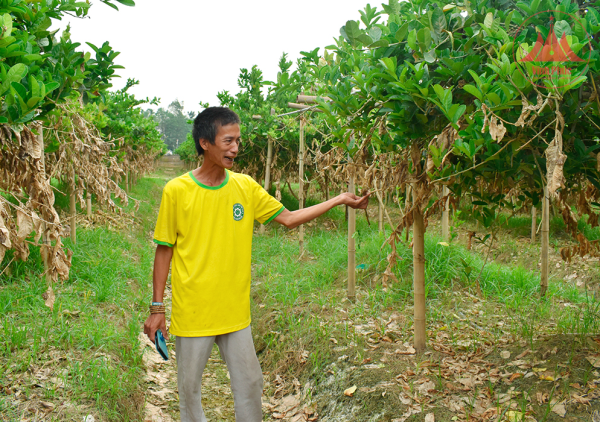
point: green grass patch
(82, 357)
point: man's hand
(354, 201)
(153, 324)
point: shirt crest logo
(238, 212)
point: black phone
(161, 345)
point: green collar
(211, 187)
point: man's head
(207, 124)
(217, 132)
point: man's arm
(292, 219)
(162, 261)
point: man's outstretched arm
(292, 219)
(162, 261)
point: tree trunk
(446, 216)
(419, 278)
(301, 182)
(545, 242)
(351, 246)
(533, 223)
(127, 182)
(326, 178)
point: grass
(81, 357)
(300, 306)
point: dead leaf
(594, 360)
(49, 298)
(559, 408)
(350, 391)
(505, 354)
(430, 417)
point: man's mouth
(230, 159)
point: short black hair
(207, 123)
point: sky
(191, 50)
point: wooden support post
(533, 223)
(45, 240)
(419, 278)
(73, 212)
(545, 241)
(351, 246)
(301, 182)
(446, 216)
(127, 182)
(89, 204)
(380, 216)
(268, 172)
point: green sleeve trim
(274, 216)
(163, 243)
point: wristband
(157, 303)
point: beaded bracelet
(157, 309)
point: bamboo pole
(445, 216)
(419, 278)
(73, 209)
(545, 242)
(309, 99)
(351, 246)
(380, 216)
(533, 223)
(126, 182)
(89, 204)
(301, 182)
(268, 172)
(45, 240)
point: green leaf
(412, 39)
(352, 30)
(19, 89)
(495, 98)
(365, 39)
(438, 21)
(375, 33)
(489, 20)
(381, 43)
(51, 87)
(456, 112)
(424, 38)
(130, 3)
(33, 101)
(562, 27)
(402, 32)
(473, 91)
(7, 24)
(430, 56)
(16, 73)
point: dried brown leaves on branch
(31, 207)
(84, 161)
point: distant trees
(173, 123)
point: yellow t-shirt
(210, 230)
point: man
(205, 226)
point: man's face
(225, 149)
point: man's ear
(204, 143)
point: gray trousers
(237, 350)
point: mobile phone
(161, 345)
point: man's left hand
(353, 201)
